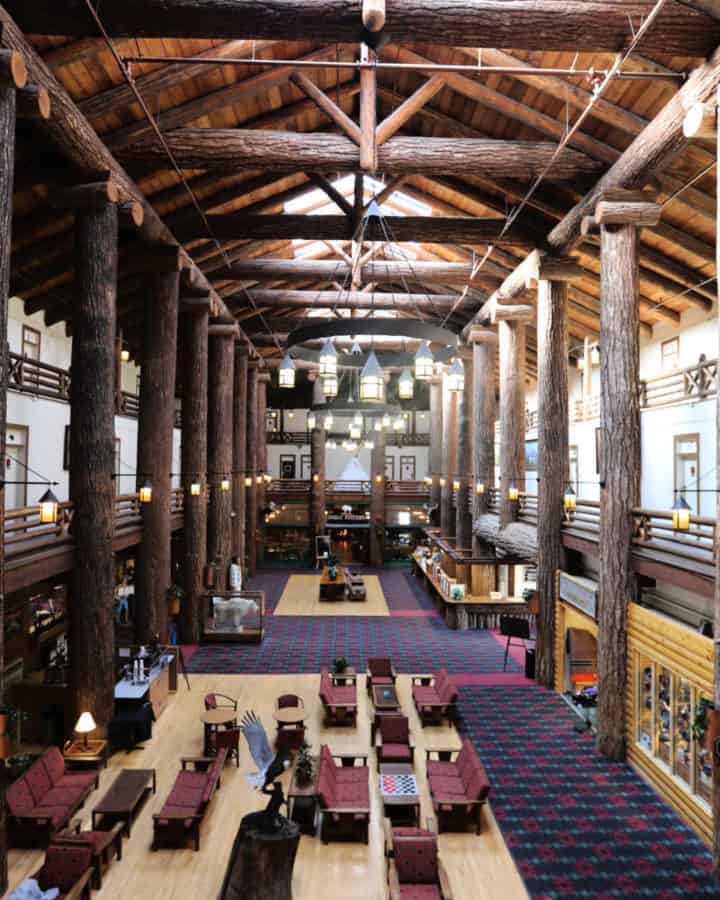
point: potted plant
(304, 766)
(339, 665)
(332, 567)
(175, 595)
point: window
(687, 468)
(670, 354)
(272, 420)
(30, 343)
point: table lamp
(84, 725)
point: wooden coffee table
(385, 697)
(124, 798)
(332, 589)
(401, 807)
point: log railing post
(377, 499)
(447, 513)
(194, 468)
(511, 336)
(484, 410)
(553, 461)
(464, 462)
(240, 378)
(221, 353)
(251, 497)
(436, 439)
(619, 218)
(156, 421)
(92, 454)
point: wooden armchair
(414, 867)
(219, 701)
(380, 672)
(67, 867)
(289, 735)
(393, 741)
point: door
(389, 468)
(687, 467)
(16, 455)
(407, 468)
(305, 467)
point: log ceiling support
(240, 377)
(317, 485)
(8, 106)
(263, 381)
(194, 465)
(251, 497)
(553, 457)
(368, 113)
(484, 412)
(512, 345)
(221, 361)
(449, 437)
(156, 421)
(281, 299)
(327, 105)
(436, 442)
(377, 499)
(620, 456)
(92, 454)
(399, 117)
(464, 401)
(680, 30)
(716, 616)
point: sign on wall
(580, 593)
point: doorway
(687, 467)
(407, 468)
(16, 458)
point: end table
(94, 754)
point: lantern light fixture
(268, 478)
(424, 362)
(328, 421)
(399, 423)
(569, 499)
(225, 485)
(456, 484)
(378, 425)
(48, 508)
(195, 489)
(443, 481)
(479, 488)
(259, 479)
(330, 386)
(378, 479)
(328, 360)
(311, 421)
(316, 477)
(372, 380)
(355, 431)
(286, 372)
(358, 419)
(456, 376)
(124, 355)
(406, 385)
(386, 420)
(145, 493)
(513, 493)
(681, 514)
(248, 481)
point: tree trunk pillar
(194, 470)
(240, 378)
(553, 462)
(447, 512)
(377, 499)
(263, 381)
(484, 411)
(620, 457)
(317, 485)
(511, 336)
(716, 624)
(463, 463)
(221, 353)
(436, 443)
(155, 452)
(251, 497)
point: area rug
(577, 825)
(301, 598)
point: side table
(95, 753)
(303, 803)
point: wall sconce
(378, 479)
(569, 499)
(267, 477)
(513, 493)
(145, 492)
(124, 355)
(311, 421)
(225, 485)
(428, 480)
(195, 489)
(681, 514)
(259, 479)
(48, 508)
(316, 477)
(443, 481)
(248, 481)
(479, 488)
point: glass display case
(234, 616)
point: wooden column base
(261, 865)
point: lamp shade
(195, 489)
(145, 492)
(513, 492)
(328, 360)
(225, 485)
(372, 380)
(328, 421)
(311, 421)
(456, 376)
(569, 499)
(85, 724)
(406, 385)
(330, 386)
(681, 514)
(479, 488)
(286, 372)
(424, 362)
(48, 508)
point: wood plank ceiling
(677, 257)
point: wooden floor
(301, 597)
(480, 867)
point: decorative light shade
(355, 431)
(456, 485)
(372, 380)
(225, 485)
(386, 420)
(428, 479)
(378, 479)
(259, 478)
(378, 425)
(195, 489)
(456, 376)
(330, 445)
(399, 423)
(569, 499)
(513, 492)
(48, 508)
(681, 514)
(328, 361)
(424, 362)
(286, 372)
(248, 481)
(369, 445)
(328, 421)
(146, 493)
(443, 481)
(311, 421)
(406, 385)
(124, 355)
(84, 725)
(330, 386)
(479, 488)
(358, 419)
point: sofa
(339, 701)
(459, 788)
(343, 795)
(435, 697)
(44, 799)
(68, 868)
(415, 871)
(188, 801)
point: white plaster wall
(337, 459)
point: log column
(251, 497)
(262, 462)
(436, 445)
(716, 620)
(463, 463)
(220, 448)
(553, 461)
(240, 377)
(619, 221)
(155, 446)
(484, 411)
(377, 499)
(194, 468)
(317, 485)
(447, 512)
(511, 336)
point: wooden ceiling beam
(541, 25)
(277, 299)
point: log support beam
(251, 496)
(512, 341)
(449, 437)
(262, 459)
(317, 486)
(620, 462)
(240, 377)
(221, 354)
(484, 412)
(464, 462)
(368, 114)
(377, 499)
(436, 445)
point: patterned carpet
(577, 825)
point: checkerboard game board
(398, 785)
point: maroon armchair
(339, 701)
(459, 788)
(415, 871)
(380, 671)
(229, 740)
(220, 701)
(67, 867)
(290, 735)
(435, 697)
(344, 795)
(393, 741)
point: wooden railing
(394, 438)
(294, 489)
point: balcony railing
(394, 438)
(292, 489)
